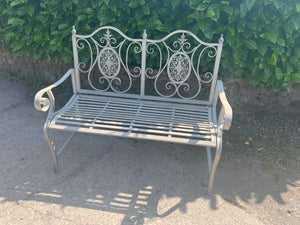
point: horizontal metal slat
(139, 130)
(148, 102)
(144, 108)
(200, 126)
(175, 122)
(210, 143)
(145, 126)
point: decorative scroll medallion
(109, 63)
(179, 68)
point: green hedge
(262, 37)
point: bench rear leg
(215, 162)
(52, 147)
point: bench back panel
(178, 68)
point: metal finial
(182, 38)
(73, 30)
(221, 38)
(144, 34)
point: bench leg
(51, 146)
(215, 162)
(209, 162)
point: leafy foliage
(262, 38)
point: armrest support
(225, 115)
(43, 104)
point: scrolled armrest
(43, 104)
(225, 115)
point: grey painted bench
(163, 90)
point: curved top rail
(151, 40)
(187, 32)
(108, 27)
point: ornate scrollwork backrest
(105, 60)
(185, 66)
(179, 65)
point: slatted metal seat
(163, 90)
(152, 120)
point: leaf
(194, 2)
(278, 4)
(21, 11)
(262, 47)
(294, 60)
(250, 44)
(62, 26)
(281, 41)
(227, 9)
(214, 10)
(17, 45)
(175, 3)
(82, 17)
(28, 28)
(296, 77)
(250, 3)
(114, 8)
(16, 2)
(30, 10)
(43, 5)
(203, 25)
(237, 53)
(270, 36)
(210, 13)
(289, 69)
(268, 71)
(209, 33)
(141, 2)
(278, 73)
(202, 7)
(273, 59)
(298, 7)
(232, 31)
(156, 22)
(243, 9)
(133, 4)
(164, 28)
(287, 85)
(16, 21)
(146, 10)
(293, 24)
(89, 10)
(262, 65)
(38, 37)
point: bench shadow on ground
(141, 179)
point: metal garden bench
(163, 90)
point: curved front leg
(51, 146)
(216, 160)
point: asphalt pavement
(101, 180)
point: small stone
(247, 143)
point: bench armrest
(43, 104)
(225, 115)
